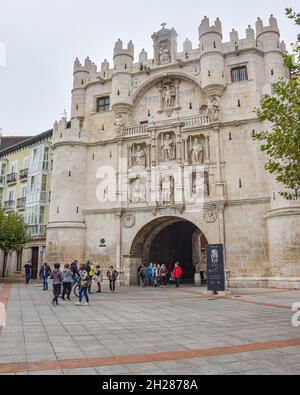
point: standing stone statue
(197, 152)
(138, 192)
(165, 57)
(168, 148)
(166, 190)
(139, 157)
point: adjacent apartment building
(25, 187)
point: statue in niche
(138, 191)
(168, 96)
(168, 149)
(139, 157)
(167, 190)
(164, 55)
(214, 109)
(197, 153)
(201, 186)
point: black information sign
(215, 268)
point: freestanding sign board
(215, 268)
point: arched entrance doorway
(167, 240)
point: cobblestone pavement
(148, 331)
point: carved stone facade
(170, 165)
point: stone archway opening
(167, 240)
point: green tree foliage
(13, 232)
(282, 142)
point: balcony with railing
(187, 123)
(24, 174)
(11, 178)
(8, 205)
(21, 203)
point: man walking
(57, 278)
(45, 273)
(177, 274)
(28, 268)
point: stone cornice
(284, 212)
(178, 207)
(244, 202)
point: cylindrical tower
(212, 61)
(283, 224)
(66, 229)
(121, 98)
(81, 78)
(268, 38)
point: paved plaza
(151, 332)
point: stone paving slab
(136, 322)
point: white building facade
(158, 161)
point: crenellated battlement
(119, 50)
(88, 66)
(69, 132)
(205, 27)
(271, 28)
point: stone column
(118, 218)
(207, 150)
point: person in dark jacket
(28, 269)
(142, 275)
(57, 278)
(45, 273)
(112, 276)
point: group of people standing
(72, 274)
(156, 275)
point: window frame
(103, 104)
(239, 71)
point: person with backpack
(112, 276)
(177, 274)
(98, 277)
(57, 278)
(45, 273)
(84, 283)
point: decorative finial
(164, 25)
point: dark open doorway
(35, 262)
(167, 240)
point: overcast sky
(43, 37)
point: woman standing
(84, 283)
(98, 277)
(67, 282)
(164, 276)
(112, 276)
